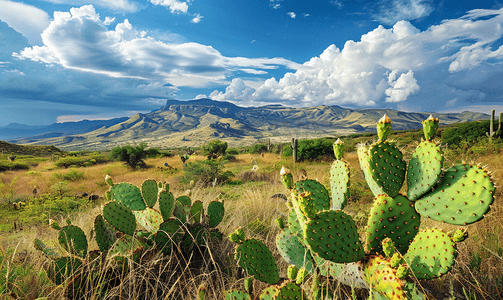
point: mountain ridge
(191, 123)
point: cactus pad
(387, 167)
(425, 168)
(166, 204)
(334, 236)
(105, 234)
(339, 184)
(196, 235)
(149, 218)
(289, 290)
(363, 154)
(237, 295)
(181, 211)
(393, 218)
(120, 217)
(317, 192)
(383, 279)
(268, 293)
(431, 254)
(462, 197)
(74, 240)
(196, 211)
(185, 200)
(63, 268)
(216, 213)
(149, 192)
(293, 251)
(169, 233)
(254, 257)
(48, 252)
(129, 195)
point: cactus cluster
(320, 238)
(128, 228)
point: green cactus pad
(393, 218)
(166, 204)
(128, 246)
(333, 236)
(339, 184)
(216, 213)
(293, 222)
(431, 254)
(319, 199)
(149, 191)
(268, 293)
(63, 269)
(74, 240)
(196, 235)
(185, 200)
(149, 218)
(257, 260)
(237, 295)
(289, 290)
(383, 279)
(425, 168)
(462, 196)
(350, 274)
(48, 252)
(196, 211)
(363, 154)
(170, 232)
(387, 167)
(181, 211)
(129, 195)
(293, 251)
(120, 217)
(105, 234)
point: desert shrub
(315, 149)
(65, 162)
(232, 152)
(73, 175)
(258, 148)
(205, 172)
(9, 165)
(214, 149)
(287, 150)
(133, 156)
(229, 157)
(468, 132)
(60, 188)
(98, 158)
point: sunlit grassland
(478, 271)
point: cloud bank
(80, 40)
(25, 19)
(456, 59)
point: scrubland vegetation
(246, 179)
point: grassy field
(478, 272)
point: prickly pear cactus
(105, 234)
(425, 168)
(74, 240)
(387, 166)
(120, 217)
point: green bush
(73, 175)
(465, 132)
(12, 165)
(206, 172)
(232, 152)
(229, 157)
(68, 161)
(214, 149)
(315, 149)
(133, 156)
(287, 150)
(258, 148)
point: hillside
(8, 148)
(192, 123)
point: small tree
(215, 149)
(133, 156)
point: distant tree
(132, 155)
(214, 149)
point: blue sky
(96, 59)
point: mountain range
(192, 123)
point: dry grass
(250, 206)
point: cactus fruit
(425, 168)
(74, 240)
(430, 127)
(383, 128)
(120, 217)
(462, 197)
(395, 218)
(333, 236)
(286, 178)
(105, 234)
(431, 254)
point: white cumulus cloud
(174, 6)
(392, 11)
(402, 87)
(80, 40)
(197, 19)
(292, 14)
(25, 19)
